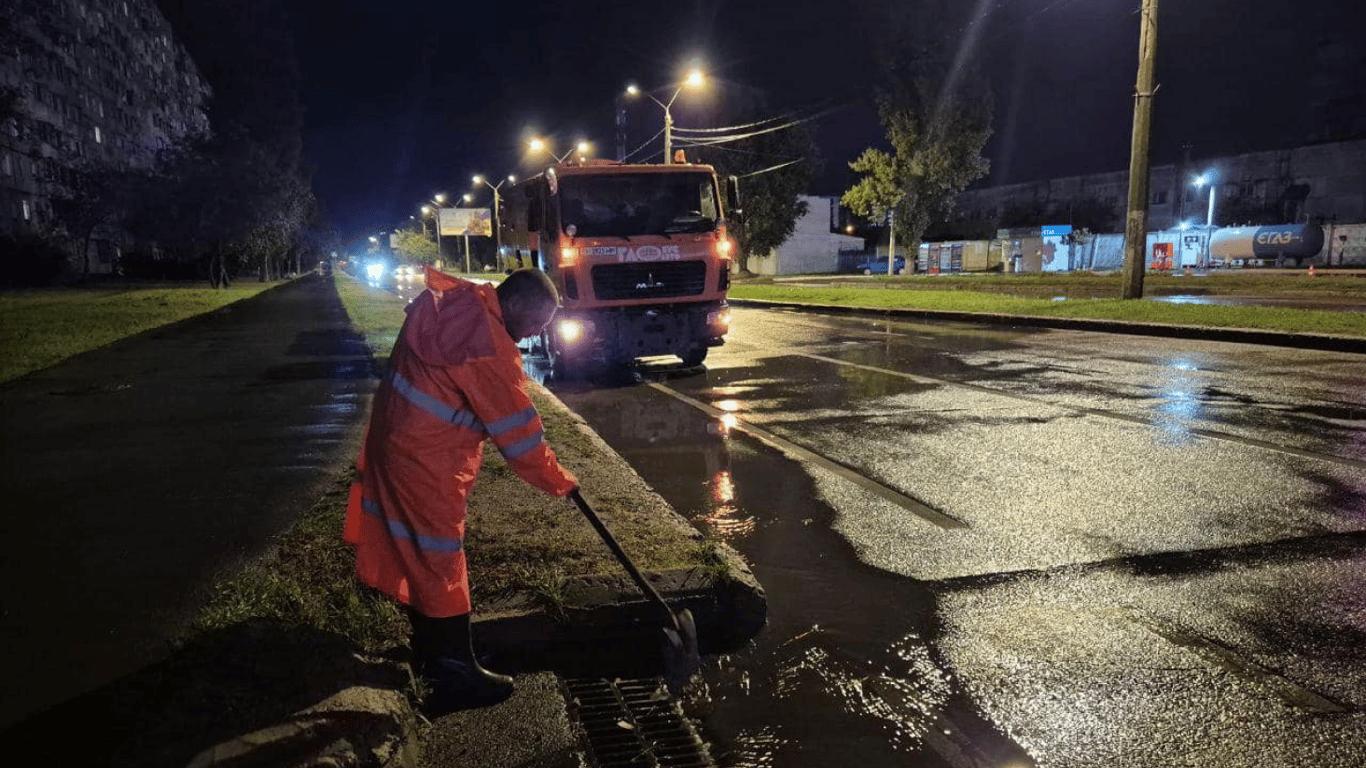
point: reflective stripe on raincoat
(455, 378)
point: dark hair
(529, 286)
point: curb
(1318, 341)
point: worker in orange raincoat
(455, 378)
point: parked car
(878, 266)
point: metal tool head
(679, 650)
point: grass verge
(40, 328)
(913, 295)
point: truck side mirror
(733, 197)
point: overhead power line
(771, 168)
(633, 152)
(730, 127)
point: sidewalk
(151, 464)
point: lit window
(8, 166)
(28, 212)
(98, 138)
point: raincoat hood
(453, 321)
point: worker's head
(529, 300)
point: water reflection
(808, 700)
(843, 672)
(726, 521)
(1183, 398)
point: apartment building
(86, 84)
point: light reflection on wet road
(1114, 488)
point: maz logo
(649, 283)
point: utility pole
(1136, 218)
(891, 242)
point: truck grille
(649, 281)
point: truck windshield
(625, 205)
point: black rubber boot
(443, 656)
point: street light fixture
(435, 212)
(694, 79)
(497, 221)
(582, 148)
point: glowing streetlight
(694, 80)
(497, 221)
(538, 145)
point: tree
(414, 246)
(774, 162)
(936, 108)
(245, 191)
(94, 204)
(877, 195)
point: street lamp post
(435, 210)
(1200, 181)
(694, 79)
(497, 221)
(466, 198)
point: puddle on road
(844, 672)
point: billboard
(1055, 253)
(467, 221)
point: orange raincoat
(455, 378)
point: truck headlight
(571, 331)
(719, 317)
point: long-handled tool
(679, 647)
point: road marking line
(1132, 419)
(910, 503)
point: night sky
(407, 99)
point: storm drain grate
(632, 723)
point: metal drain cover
(635, 722)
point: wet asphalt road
(994, 546)
(134, 473)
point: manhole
(635, 722)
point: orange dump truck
(640, 254)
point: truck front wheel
(694, 357)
